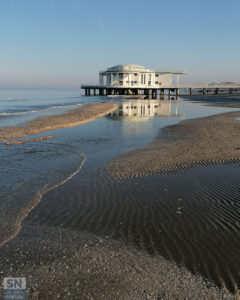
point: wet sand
(188, 144)
(72, 118)
(63, 264)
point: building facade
(135, 76)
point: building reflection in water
(137, 116)
(143, 109)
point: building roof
(127, 68)
(136, 68)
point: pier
(155, 93)
(139, 81)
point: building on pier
(135, 76)
(135, 80)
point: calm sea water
(27, 169)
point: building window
(135, 74)
(120, 82)
(156, 82)
(149, 82)
(156, 75)
(120, 75)
(135, 81)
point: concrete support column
(177, 93)
(190, 91)
(169, 94)
(162, 94)
(230, 91)
(204, 91)
(217, 91)
(85, 92)
(148, 92)
(94, 92)
(154, 94)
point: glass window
(120, 75)
(156, 82)
(149, 82)
(156, 75)
(120, 82)
(135, 81)
(135, 74)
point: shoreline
(72, 118)
(190, 143)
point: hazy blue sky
(62, 43)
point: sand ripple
(192, 218)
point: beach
(188, 144)
(124, 220)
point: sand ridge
(214, 139)
(75, 117)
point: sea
(191, 218)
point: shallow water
(184, 217)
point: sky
(64, 43)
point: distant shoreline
(75, 117)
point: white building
(135, 76)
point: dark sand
(61, 264)
(72, 118)
(191, 143)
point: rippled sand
(72, 118)
(191, 143)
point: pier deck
(149, 92)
